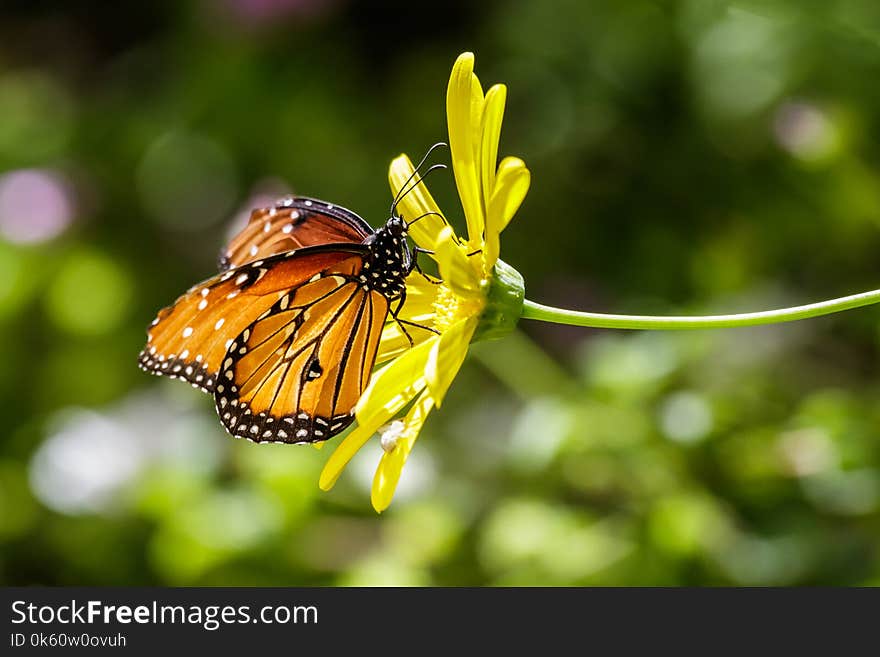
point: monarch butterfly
(286, 336)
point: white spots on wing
(302, 433)
(282, 433)
(318, 432)
(187, 331)
(308, 203)
(254, 250)
(184, 354)
(257, 263)
(205, 291)
(176, 368)
(314, 278)
(199, 358)
(232, 295)
(227, 363)
(229, 374)
(285, 301)
(267, 226)
(266, 434)
(254, 428)
(219, 324)
(203, 304)
(273, 212)
(189, 370)
(303, 416)
(153, 323)
(228, 343)
(241, 279)
(294, 215)
(287, 228)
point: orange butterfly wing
(296, 373)
(293, 223)
(189, 339)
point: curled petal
(388, 473)
(511, 186)
(456, 269)
(464, 108)
(493, 114)
(417, 203)
(446, 357)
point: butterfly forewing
(189, 339)
(293, 223)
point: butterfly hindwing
(295, 374)
(293, 223)
(189, 339)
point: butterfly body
(286, 337)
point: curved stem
(532, 310)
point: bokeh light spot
(35, 206)
(90, 295)
(685, 417)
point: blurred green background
(687, 156)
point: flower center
(450, 308)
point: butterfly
(286, 336)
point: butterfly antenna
(415, 184)
(402, 192)
(426, 214)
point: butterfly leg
(417, 250)
(403, 322)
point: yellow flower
(417, 376)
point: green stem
(532, 310)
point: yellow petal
(464, 108)
(389, 469)
(362, 433)
(511, 186)
(415, 203)
(446, 357)
(493, 114)
(394, 342)
(456, 269)
(343, 454)
(392, 387)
